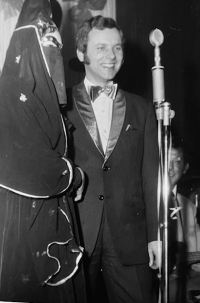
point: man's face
(105, 55)
(177, 166)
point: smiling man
(100, 67)
(115, 142)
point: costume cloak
(37, 246)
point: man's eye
(177, 161)
(101, 47)
(118, 48)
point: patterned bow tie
(95, 91)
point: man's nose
(111, 53)
(171, 165)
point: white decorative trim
(22, 193)
(59, 266)
(70, 172)
(65, 133)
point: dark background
(179, 20)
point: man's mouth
(108, 65)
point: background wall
(9, 12)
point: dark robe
(38, 251)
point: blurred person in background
(184, 231)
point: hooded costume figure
(38, 253)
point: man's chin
(173, 183)
(109, 74)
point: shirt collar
(174, 190)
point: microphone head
(156, 37)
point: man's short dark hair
(98, 22)
(179, 143)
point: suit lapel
(119, 109)
(86, 112)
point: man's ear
(186, 168)
(80, 55)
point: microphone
(156, 38)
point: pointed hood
(34, 10)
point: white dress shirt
(102, 107)
(188, 229)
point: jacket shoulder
(136, 100)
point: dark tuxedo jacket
(124, 179)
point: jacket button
(105, 168)
(101, 197)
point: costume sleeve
(150, 173)
(32, 161)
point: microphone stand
(165, 198)
(163, 114)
